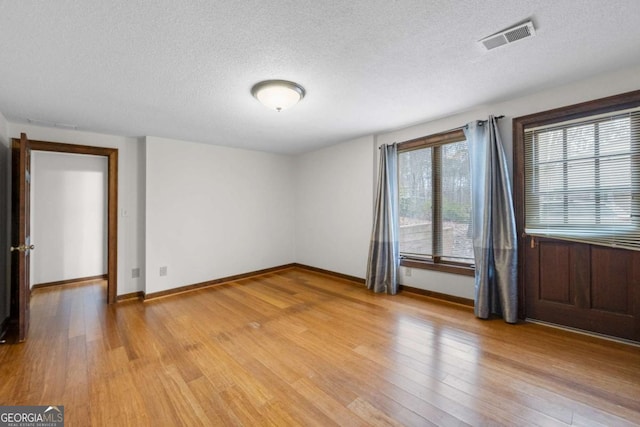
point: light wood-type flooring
(296, 347)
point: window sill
(445, 268)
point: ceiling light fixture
(278, 94)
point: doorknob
(22, 248)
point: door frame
(576, 111)
(112, 201)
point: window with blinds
(435, 199)
(582, 180)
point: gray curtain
(493, 221)
(384, 259)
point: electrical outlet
(135, 273)
(163, 271)
(407, 272)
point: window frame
(435, 263)
(534, 165)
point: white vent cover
(52, 124)
(510, 35)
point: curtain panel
(384, 255)
(493, 223)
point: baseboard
(129, 296)
(66, 282)
(437, 295)
(187, 288)
(333, 274)
(330, 273)
(407, 289)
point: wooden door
(583, 286)
(20, 235)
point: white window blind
(582, 180)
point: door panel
(20, 235)
(554, 282)
(583, 286)
(610, 272)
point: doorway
(576, 206)
(68, 218)
(111, 155)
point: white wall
(5, 214)
(213, 212)
(130, 233)
(334, 200)
(68, 216)
(316, 185)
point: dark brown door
(583, 286)
(20, 235)
(589, 286)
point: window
(582, 179)
(435, 203)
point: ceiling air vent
(510, 35)
(52, 124)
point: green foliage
(416, 207)
(457, 212)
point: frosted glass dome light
(278, 94)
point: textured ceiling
(184, 69)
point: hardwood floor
(300, 348)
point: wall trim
(330, 273)
(130, 296)
(353, 279)
(437, 295)
(68, 281)
(406, 289)
(187, 288)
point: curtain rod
(480, 123)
